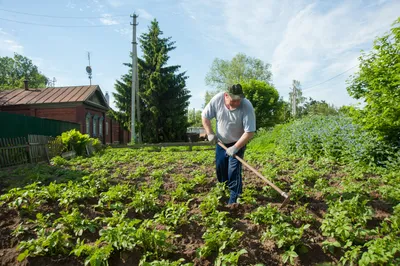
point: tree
(162, 91)
(240, 69)
(378, 83)
(194, 118)
(13, 72)
(208, 96)
(299, 99)
(267, 104)
(285, 112)
(314, 107)
(345, 110)
(123, 100)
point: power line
(329, 79)
(58, 26)
(49, 16)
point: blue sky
(311, 41)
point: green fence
(14, 125)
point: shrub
(96, 143)
(74, 140)
(377, 84)
(58, 160)
(333, 137)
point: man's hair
(236, 91)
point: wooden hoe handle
(284, 194)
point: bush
(58, 160)
(264, 140)
(74, 140)
(333, 137)
(96, 143)
(377, 85)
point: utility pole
(89, 69)
(134, 76)
(137, 104)
(294, 101)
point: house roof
(49, 95)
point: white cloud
(311, 41)
(144, 14)
(187, 7)
(115, 3)
(91, 22)
(11, 46)
(331, 40)
(97, 7)
(71, 4)
(197, 99)
(107, 19)
(127, 31)
(38, 61)
(210, 29)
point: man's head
(236, 92)
(234, 95)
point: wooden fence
(15, 151)
(38, 150)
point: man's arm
(210, 134)
(249, 126)
(207, 125)
(231, 151)
(244, 139)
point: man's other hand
(211, 138)
(232, 150)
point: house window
(101, 126)
(95, 125)
(106, 128)
(88, 123)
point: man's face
(231, 102)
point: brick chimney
(26, 87)
(107, 98)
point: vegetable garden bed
(131, 207)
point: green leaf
(23, 255)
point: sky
(315, 42)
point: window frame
(101, 126)
(87, 123)
(95, 125)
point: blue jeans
(229, 171)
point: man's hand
(232, 150)
(211, 138)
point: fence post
(46, 150)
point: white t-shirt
(230, 124)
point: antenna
(51, 82)
(89, 69)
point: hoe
(283, 194)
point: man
(236, 124)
